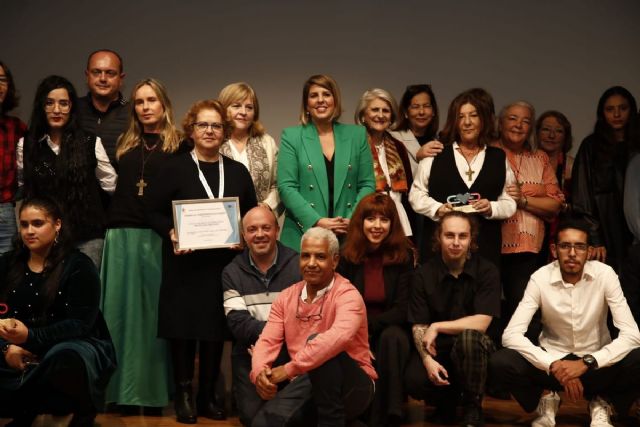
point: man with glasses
(104, 112)
(576, 353)
(251, 282)
(323, 322)
(455, 298)
(11, 130)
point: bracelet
(523, 202)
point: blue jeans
(7, 226)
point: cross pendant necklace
(141, 184)
(469, 173)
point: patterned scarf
(259, 167)
(394, 165)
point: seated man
(576, 353)
(322, 320)
(251, 282)
(455, 297)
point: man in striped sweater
(251, 282)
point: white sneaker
(547, 409)
(600, 412)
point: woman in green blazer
(324, 167)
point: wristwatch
(590, 361)
(5, 347)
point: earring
(55, 240)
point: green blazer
(302, 177)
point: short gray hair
(371, 95)
(530, 141)
(323, 233)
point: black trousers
(392, 349)
(466, 363)
(341, 391)
(619, 384)
(59, 386)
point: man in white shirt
(576, 353)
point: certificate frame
(206, 223)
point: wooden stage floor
(499, 413)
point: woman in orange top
(537, 195)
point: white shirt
(426, 205)
(574, 317)
(319, 294)
(241, 157)
(106, 174)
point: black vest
(445, 180)
(108, 125)
(86, 217)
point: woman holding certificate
(191, 308)
(131, 264)
(466, 175)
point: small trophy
(462, 202)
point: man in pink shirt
(322, 320)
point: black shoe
(22, 420)
(152, 411)
(208, 407)
(129, 410)
(472, 412)
(82, 420)
(183, 402)
(444, 414)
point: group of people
(378, 259)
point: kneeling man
(322, 320)
(576, 353)
(455, 298)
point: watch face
(589, 360)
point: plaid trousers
(470, 357)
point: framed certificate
(207, 223)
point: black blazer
(397, 282)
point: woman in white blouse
(467, 174)
(249, 144)
(378, 112)
(59, 160)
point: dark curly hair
(73, 171)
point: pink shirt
(343, 327)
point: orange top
(524, 231)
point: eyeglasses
(578, 247)
(109, 73)
(204, 126)
(316, 316)
(63, 105)
(4, 81)
(549, 130)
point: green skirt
(131, 275)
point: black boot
(183, 401)
(208, 404)
(472, 415)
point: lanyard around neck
(203, 180)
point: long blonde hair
(133, 135)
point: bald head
(260, 231)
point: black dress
(597, 181)
(191, 292)
(71, 324)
